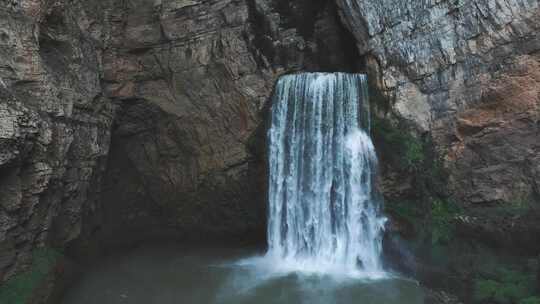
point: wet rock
(440, 297)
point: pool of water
(174, 275)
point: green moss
(406, 210)
(407, 151)
(505, 286)
(413, 152)
(19, 289)
(442, 215)
(530, 300)
(485, 289)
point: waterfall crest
(323, 214)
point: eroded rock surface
(463, 75)
(54, 124)
(466, 71)
(168, 96)
(193, 79)
(121, 117)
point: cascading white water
(323, 215)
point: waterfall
(323, 212)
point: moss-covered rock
(505, 285)
(21, 288)
(407, 150)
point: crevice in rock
(302, 36)
(53, 47)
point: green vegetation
(408, 149)
(413, 152)
(407, 210)
(19, 288)
(530, 300)
(506, 286)
(430, 215)
(436, 223)
(498, 278)
(442, 214)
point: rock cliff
(122, 120)
(467, 72)
(54, 124)
(462, 76)
(192, 80)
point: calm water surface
(173, 275)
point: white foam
(323, 215)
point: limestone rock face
(495, 156)
(139, 118)
(54, 124)
(130, 119)
(466, 71)
(192, 79)
(190, 90)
